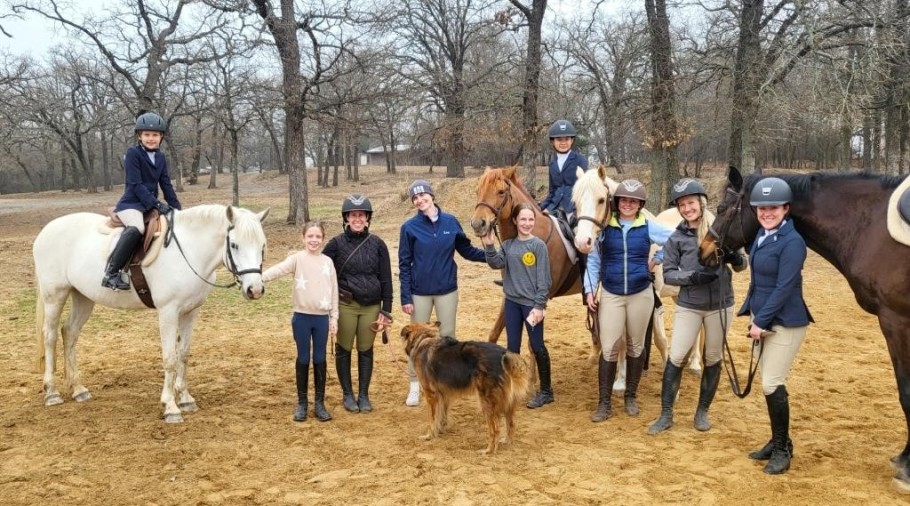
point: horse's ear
(735, 178)
(602, 172)
(579, 172)
(230, 214)
(263, 214)
(509, 172)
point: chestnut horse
(498, 192)
(857, 243)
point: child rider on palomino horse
(145, 169)
(562, 171)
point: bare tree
(665, 134)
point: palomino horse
(498, 192)
(70, 254)
(857, 243)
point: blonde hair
(706, 220)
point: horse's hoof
(188, 407)
(173, 418)
(82, 396)
(53, 400)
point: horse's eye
(721, 208)
(234, 246)
(601, 201)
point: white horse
(591, 195)
(70, 255)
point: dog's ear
(437, 324)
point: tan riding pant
(446, 309)
(686, 326)
(628, 315)
(132, 218)
(354, 322)
(777, 355)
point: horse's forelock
(590, 181)
(247, 227)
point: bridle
(497, 211)
(227, 258)
(720, 236)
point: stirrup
(115, 282)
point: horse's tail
(39, 326)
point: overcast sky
(35, 36)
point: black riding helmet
(356, 202)
(686, 187)
(150, 122)
(561, 128)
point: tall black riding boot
(364, 375)
(343, 369)
(779, 412)
(606, 375)
(634, 367)
(303, 376)
(668, 391)
(545, 394)
(123, 251)
(319, 374)
(710, 377)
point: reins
(727, 355)
(228, 259)
(376, 328)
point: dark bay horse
(842, 217)
(499, 191)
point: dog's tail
(518, 373)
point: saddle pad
(570, 248)
(899, 213)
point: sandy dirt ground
(243, 448)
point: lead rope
(377, 328)
(727, 354)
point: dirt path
(243, 448)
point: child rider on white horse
(145, 169)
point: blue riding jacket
(142, 179)
(562, 181)
(776, 290)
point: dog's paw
(505, 440)
(425, 437)
(486, 451)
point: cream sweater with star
(315, 283)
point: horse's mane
(802, 184)
(246, 224)
(491, 174)
(590, 180)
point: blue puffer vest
(624, 257)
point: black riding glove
(702, 278)
(163, 208)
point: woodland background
(288, 85)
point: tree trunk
(745, 89)
(665, 134)
(529, 127)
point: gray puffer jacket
(681, 265)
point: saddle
(156, 227)
(899, 213)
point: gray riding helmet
(686, 187)
(771, 191)
(561, 128)
(150, 122)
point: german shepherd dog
(448, 368)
